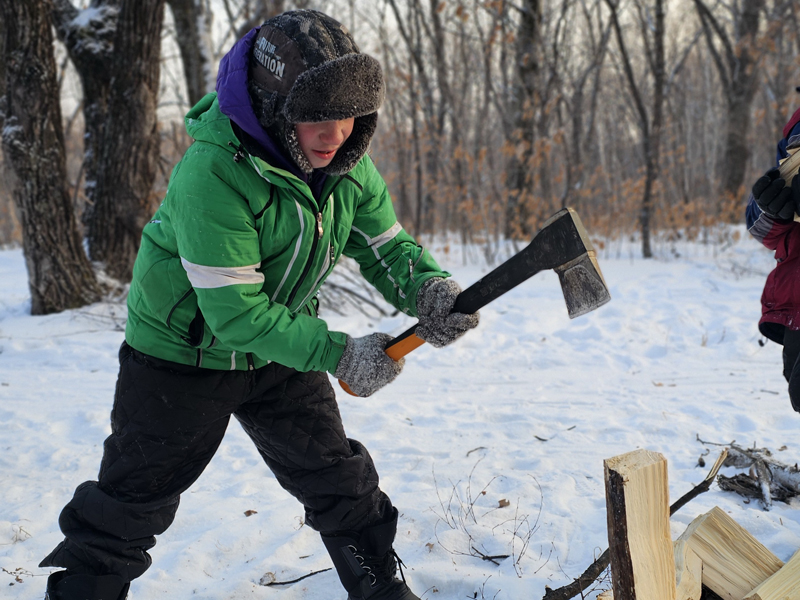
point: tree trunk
(261, 11)
(653, 147)
(739, 76)
(193, 34)
(116, 49)
(59, 274)
(129, 146)
(650, 122)
(744, 77)
(523, 107)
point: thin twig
(493, 559)
(296, 580)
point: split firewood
(783, 585)
(688, 572)
(637, 497)
(734, 562)
(789, 166)
(596, 569)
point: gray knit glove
(365, 366)
(437, 325)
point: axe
(563, 245)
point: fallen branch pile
(767, 479)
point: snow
(94, 16)
(520, 412)
(102, 20)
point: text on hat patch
(264, 53)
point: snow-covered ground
(495, 443)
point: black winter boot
(62, 585)
(367, 564)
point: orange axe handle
(400, 346)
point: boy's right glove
(774, 197)
(437, 325)
(365, 367)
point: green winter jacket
(229, 267)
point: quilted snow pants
(168, 421)
(791, 365)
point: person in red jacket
(770, 219)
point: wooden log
(783, 585)
(734, 562)
(688, 572)
(789, 166)
(788, 169)
(639, 541)
(594, 570)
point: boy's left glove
(437, 325)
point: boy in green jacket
(222, 314)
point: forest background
(651, 118)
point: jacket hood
(207, 123)
(234, 102)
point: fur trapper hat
(305, 67)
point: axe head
(574, 260)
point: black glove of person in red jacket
(774, 197)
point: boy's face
(320, 141)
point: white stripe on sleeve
(382, 238)
(203, 277)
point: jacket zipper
(310, 260)
(314, 243)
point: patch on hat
(276, 61)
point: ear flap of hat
(349, 86)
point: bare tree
(650, 121)
(115, 46)
(523, 107)
(414, 31)
(782, 42)
(736, 63)
(193, 34)
(243, 15)
(580, 94)
(59, 273)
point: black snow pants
(168, 421)
(791, 365)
